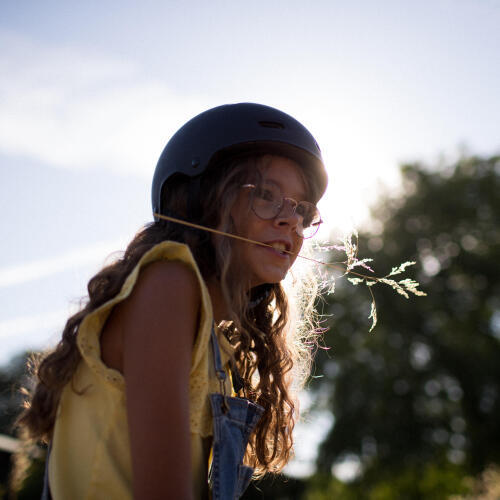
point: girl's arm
(159, 322)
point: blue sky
(91, 91)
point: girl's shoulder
(162, 287)
(162, 283)
(165, 298)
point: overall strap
(236, 379)
(219, 370)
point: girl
(174, 381)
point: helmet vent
(271, 124)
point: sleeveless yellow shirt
(90, 457)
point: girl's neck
(219, 305)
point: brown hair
(265, 341)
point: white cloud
(23, 273)
(73, 109)
(23, 325)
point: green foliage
(430, 481)
(424, 388)
(326, 487)
(32, 484)
(14, 377)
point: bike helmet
(233, 130)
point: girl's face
(262, 264)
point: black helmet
(231, 130)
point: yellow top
(90, 455)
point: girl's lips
(280, 245)
(279, 248)
(277, 253)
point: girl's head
(253, 157)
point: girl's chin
(270, 277)
(264, 265)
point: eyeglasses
(268, 202)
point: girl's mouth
(280, 248)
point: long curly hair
(267, 344)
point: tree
(13, 377)
(10, 402)
(421, 394)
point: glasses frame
(280, 207)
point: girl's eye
(306, 221)
(302, 210)
(305, 212)
(309, 216)
(265, 194)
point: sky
(91, 91)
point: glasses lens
(311, 219)
(267, 200)
(268, 203)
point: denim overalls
(233, 421)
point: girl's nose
(288, 215)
